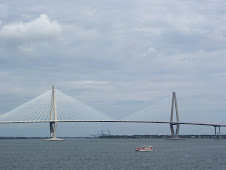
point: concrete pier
(219, 132)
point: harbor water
(112, 154)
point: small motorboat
(144, 149)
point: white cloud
(41, 28)
(150, 52)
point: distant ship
(144, 149)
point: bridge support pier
(173, 134)
(219, 132)
(53, 118)
(53, 126)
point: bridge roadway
(120, 121)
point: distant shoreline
(126, 137)
(157, 136)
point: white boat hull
(144, 149)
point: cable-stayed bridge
(55, 106)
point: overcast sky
(117, 56)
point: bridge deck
(122, 121)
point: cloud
(39, 29)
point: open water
(112, 154)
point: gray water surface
(112, 154)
